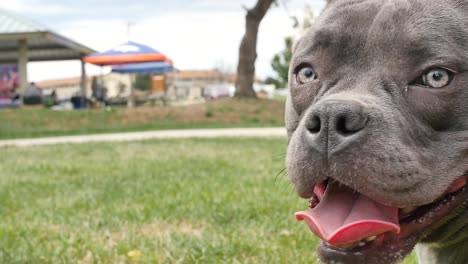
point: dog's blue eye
(305, 75)
(437, 78)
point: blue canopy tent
(144, 68)
(130, 52)
(132, 58)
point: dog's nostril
(314, 125)
(341, 126)
(347, 125)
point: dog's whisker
(282, 155)
(280, 175)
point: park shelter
(22, 41)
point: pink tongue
(344, 216)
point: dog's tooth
(370, 239)
(408, 209)
(362, 243)
(349, 245)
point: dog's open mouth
(352, 224)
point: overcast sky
(196, 34)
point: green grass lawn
(39, 122)
(171, 201)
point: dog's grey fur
(367, 55)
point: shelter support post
(83, 86)
(131, 98)
(23, 65)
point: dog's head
(377, 121)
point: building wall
(118, 85)
(183, 85)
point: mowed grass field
(40, 122)
(171, 201)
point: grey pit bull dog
(377, 120)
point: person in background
(32, 95)
(14, 94)
(98, 91)
(94, 87)
(53, 96)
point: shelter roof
(43, 44)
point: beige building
(187, 85)
(118, 85)
(202, 84)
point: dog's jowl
(377, 120)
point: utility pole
(129, 29)
(131, 99)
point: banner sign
(9, 81)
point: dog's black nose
(333, 124)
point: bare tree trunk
(248, 49)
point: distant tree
(280, 65)
(280, 62)
(248, 49)
(143, 82)
(272, 81)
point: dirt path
(188, 133)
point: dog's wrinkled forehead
(350, 30)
